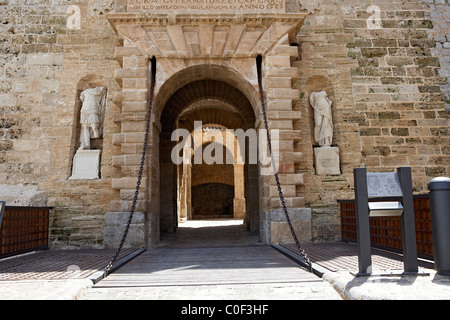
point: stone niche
(91, 93)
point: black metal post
(362, 221)
(408, 222)
(440, 223)
(2, 210)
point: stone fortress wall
(385, 71)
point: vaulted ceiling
(209, 101)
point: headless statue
(92, 113)
(323, 129)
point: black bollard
(440, 223)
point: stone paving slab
(393, 287)
(67, 289)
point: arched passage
(206, 66)
(218, 99)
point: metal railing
(24, 229)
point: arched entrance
(207, 102)
(206, 71)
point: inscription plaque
(383, 184)
(86, 164)
(207, 6)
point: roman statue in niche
(92, 115)
(323, 129)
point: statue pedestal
(86, 164)
(327, 160)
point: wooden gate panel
(24, 229)
(385, 232)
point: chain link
(280, 191)
(141, 168)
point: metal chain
(280, 191)
(141, 168)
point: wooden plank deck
(203, 266)
(250, 272)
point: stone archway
(201, 57)
(211, 100)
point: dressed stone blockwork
(383, 65)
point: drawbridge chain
(141, 168)
(280, 191)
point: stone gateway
(74, 92)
